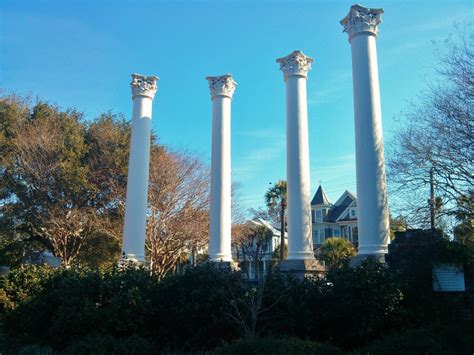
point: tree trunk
(432, 200)
(282, 230)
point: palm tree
(276, 198)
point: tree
(179, 209)
(62, 178)
(434, 145)
(464, 230)
(336, 252)
(251, 243)
(275, 199)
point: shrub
(106, 344)
(21, 284)
(274, 346)
(72, 303)
(181, 311)
(347, 308)
(436, 339)
(189, 309)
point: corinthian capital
(144, 85)
(295, 64)
(222, 85)
(362, 19)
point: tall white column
(222, 89)
(295, 68)
(361, 24)
(143, 91)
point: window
(312, 216)
(319, 216)
(318, 236)
(353, 213)
(355, 234)
(336, 232)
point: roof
(341, 205)
(262, 222)
(320, 198)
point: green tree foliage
(62, 178)
(336, 252)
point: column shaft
(220, 227)
(372, 202)
(295, 67)
(297, 170)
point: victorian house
(334, 220)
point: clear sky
(81, 54)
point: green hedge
(274, 346)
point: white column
(361, 25)
(143, 91)
(295, 68)
(222, 88)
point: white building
(334, 220)
(250, 256)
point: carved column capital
(295, 64)
(223, 85)
(144, 85)
(362, 19)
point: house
(251, 256)
(334, 220)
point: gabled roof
(320, 198)
(262, 222)
(341, 206)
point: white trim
(346, 210)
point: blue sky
(81, 54)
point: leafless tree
(179, 209)
(251, 241)
(434, 146)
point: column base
(373, 249)
(226, 265)
(359, 258)
(301, 255)
(132, 260)
(301, 268)
(224, 258)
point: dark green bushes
(276, 346)
(435, 339)
(183, 311)
(348, 308)
(60, 310)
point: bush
(60, 306)
(351, 306)
(189, 310)
(70, 303)
(276, 346)
(21, 284)
(106, 344)
(446, 339)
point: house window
(353, 213)
(355, 235)
(312, 216)
(336, 232)
(318, 236)
(319, 216)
